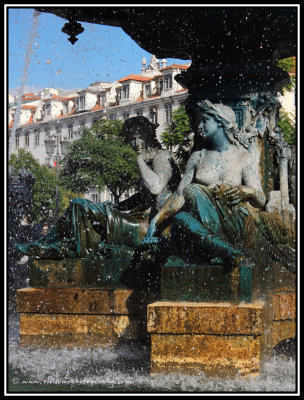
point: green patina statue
(214, 212)
(217, 210)
(88, 229)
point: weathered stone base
(215, 355)
(79, 330)
(81, 317)
(216, 338)
(282, 307)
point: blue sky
(102, 53)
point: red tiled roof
(31, 98)
(66, 98)
(181, 90)
(134, 77)
(58, 98)
(11, 123)
(28, 107)
(96, 107)
(28, 94)
(140, 98)
(180, 66)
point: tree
(44, 189)
(286, 120)
(100, 158)
(288, 127)
(177, 134)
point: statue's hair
(141, 124)
(223, 115)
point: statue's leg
(198, 230)
(77, 233)
(197, 244)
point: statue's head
(222, 114)
(141, 128)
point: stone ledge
(64, 328)
(213, 355)
(71, 272)
(283, 305)
(83, 300)
(205, 318)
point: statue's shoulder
(162, 155)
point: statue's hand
(237, 194)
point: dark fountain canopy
(236, 41)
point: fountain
(202, 318)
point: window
(159, 86)
(118, 93)
(48, 109)
(81, 102)
(125, 91)
(125, 115)
(148, 90)
(112, 117)
(168, 81)
(139, 112)
(168, 111)
(48, 161)
(111, 198)
(102, 99)
(58, 132)
(47, 133)
(27, 139)
(17, 140)
(153, 115)
(66, 108)
(37, 137)
(70, 131)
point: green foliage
(289, 65)
(177, 135)
(100, 158)
(288, 127)
(44, 189)
(286, 121)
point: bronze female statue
(86, 227)
(216, 211)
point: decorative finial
(73, 29)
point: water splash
(126, 370)
(28, 54)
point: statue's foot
(42, 250)
(149, 241)
(23, 248)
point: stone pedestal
(220, 323)
(81, 316)
(217, 338)
(81, 303)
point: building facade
(47, 122)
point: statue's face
(137, 142)
(208, 127)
